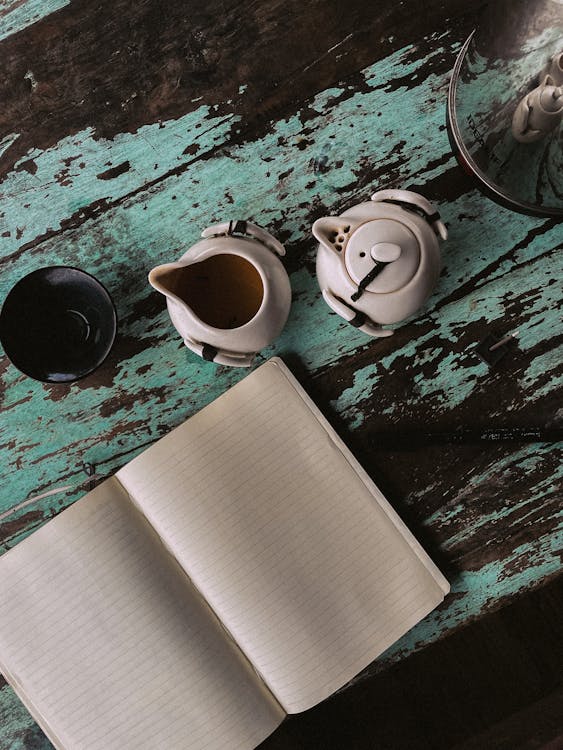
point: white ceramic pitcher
(229, 295)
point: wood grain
(126, 129)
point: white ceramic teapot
(380, 260)
(229, 295)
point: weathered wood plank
(199, 126)
(18, 731)
(235, 182)
(115, 66)
(495, 685)
(16, 15)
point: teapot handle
(245, 227)
(414, 199)
(354, 317)
(219, 357)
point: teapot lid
(382, 240)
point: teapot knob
(385, 252)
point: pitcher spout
(162, 278)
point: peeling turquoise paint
(18, 732)
(446, 515)
(510, 507)
(544, 367)
(156, 388)
(455, 378)
(66, 178)
(7, 141)
(352, 128)
(157, 223)
(474, 591)
(15, 16)
(159, 383)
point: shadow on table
(495, 683)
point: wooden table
(127, 128)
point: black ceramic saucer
(57, 324)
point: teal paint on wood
(151, 227)
(505, 473)
(317, 162)
(47, 189)
(7, 140)
(474, 591)
(354, 131)
(310, 163)
(16, 15)
(452, 378)
(232, 187)
(544, 369)
(18, 730)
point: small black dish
(57, 324)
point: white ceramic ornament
(541, 110)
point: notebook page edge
(368, 482)
(37, 716)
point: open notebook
(242, 568)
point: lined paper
(111, 648)
(296, 550)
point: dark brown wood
(403, 475)
(495, 684)
(115, 66)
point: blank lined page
(293, 546)
(110, 647)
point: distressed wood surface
(465, 692)
(128, 128)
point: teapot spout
(332, 232)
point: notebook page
(109, 646)
(290, 542)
